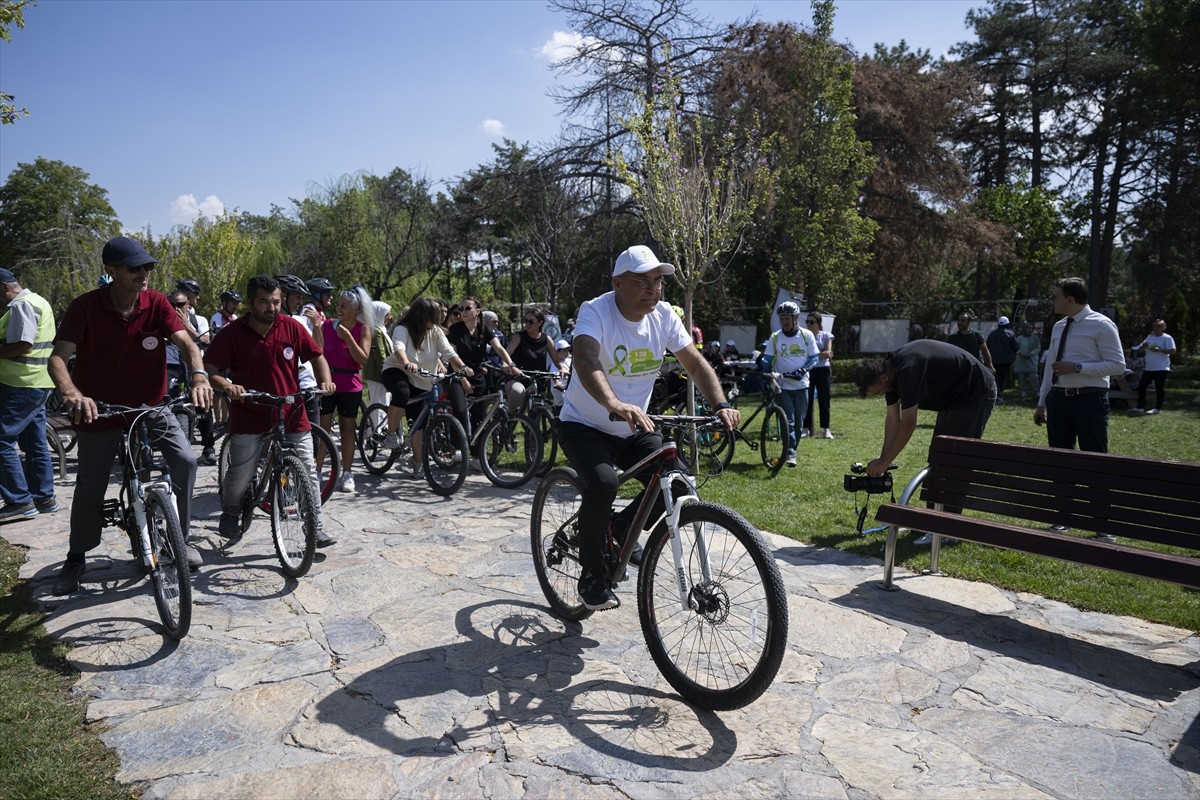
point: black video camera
(861, 482)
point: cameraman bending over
(619, 345)
(932, 375)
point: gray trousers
(98, 454)
(244, 451)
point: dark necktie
(1062, 345)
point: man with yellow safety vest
(26, 339)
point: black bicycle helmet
(230, 294)
(290, 284)
(188, 285)
(319, 286)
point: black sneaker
(230, 526)
(595, 592)
(46, 506)
(68, 578)
(208, 458)
(12, 512)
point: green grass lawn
(46, 750)
(808, 503)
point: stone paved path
(417, 659)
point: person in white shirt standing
(1085, 350)
(1158, 348)
(792, 351)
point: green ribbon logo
(620, 354)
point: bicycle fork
(137, 500)
(674, 507)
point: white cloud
(492, 127)
(562, 45)
(185, 209)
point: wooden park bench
(1134, 499)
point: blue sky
(179, 107)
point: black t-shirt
(936, 376)
(471, 347)
(531, 354)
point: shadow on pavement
(1009, 637)
(523, 661)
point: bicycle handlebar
(441, 376)
(256, 396)
(110, 410)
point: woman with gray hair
(347, 345)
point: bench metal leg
(889, 550)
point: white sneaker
(412, 466)
(1152, 411)
(457, 459)
(791, 460)
(828, 434)
(392, 441)
(805, 432)
(347, 482)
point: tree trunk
(1158, 277)
(1098, 289)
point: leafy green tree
(53, 225)
(12, 12)
(1027, 259)
(219, 254)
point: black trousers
(1001, 375)
(1081, 418)
(596, 456)
(818, 386)
(1159, 379)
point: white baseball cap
(1002, 321)
(640, 258)
(561, 344)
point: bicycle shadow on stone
(510, 684)
(116, 644)
(1062, 652)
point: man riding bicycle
(263, 350)
(620, 339)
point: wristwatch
(1078, 366)
(724, 405)
(203, 372)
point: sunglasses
(179, 305)
(531, 322)
(135, 270)
(468, 308)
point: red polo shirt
(269, 363)
(117, 360)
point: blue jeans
(794, 403)
(23, 424)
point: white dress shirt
(1093, 343)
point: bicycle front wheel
(721, 646)
(773, 438)
(511, 451)
(554, 541)
(371, 433)
(328, 460)
(294, 512)
(445, 456)
(714, 451)
(169, 574)
(223, 465)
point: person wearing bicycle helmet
(117, 331)
(230, 300)
(261, 351)
(198, 321)
(791, 351)
(294, 294)
(320, 290)
(619, 342)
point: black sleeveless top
(531, 354)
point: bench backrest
(1138, 498)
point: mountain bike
(541, 411)
(145, 509)
(327, 467)
(709, 594)
(772, 444)
(508, 444)
(282, 486)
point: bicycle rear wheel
(724, 652)
(294, 512)
(547, 428)
(773, 438)
(445, 456)
(554, 542)
(511, 451)
(327, 464)
(714, 451)
(223, 465)
(372, 430)
(169, 574)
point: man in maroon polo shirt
(118, 334)
(263, 351)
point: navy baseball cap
(6, 276)
(122, 252)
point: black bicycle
(282, 486)
(325, 454)
(773, 436)
(540, 409)
(710, 596)
(145, 509)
